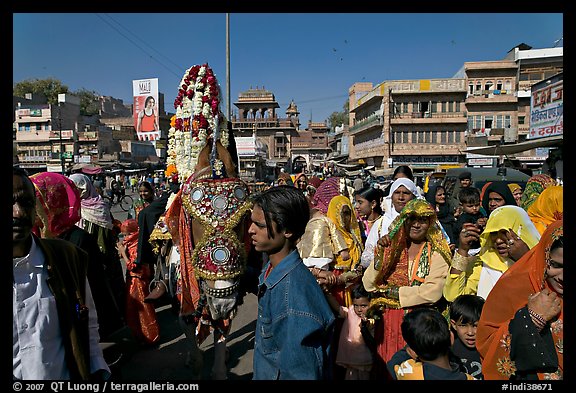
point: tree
(49, 87)
(89, 101)
(339, 118)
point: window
(471, 88)
(434, 136)
(405, 137)
(458, 136)
(470, 122)
(507, 122)
(507, 86)
(442, 136)
(433, 107)
(457, 104)
(450, 136)
(450, 106)
(488, 85)
(478, 86)
(488, 121)
(444, 106)
(427, 136)
(499, 85)
(499, 119)
(414, 135)
(521, 119)
(477, 121)
(421, 137)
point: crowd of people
(355, 281)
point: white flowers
(197, 108)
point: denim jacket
(294, 326)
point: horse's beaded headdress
(198, 118)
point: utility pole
(60, 138)
(228, 109)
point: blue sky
(312, 58)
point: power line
(137, 45)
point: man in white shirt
(55, 326)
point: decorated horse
(208, 217)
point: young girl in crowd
(367, 202)
(356, 342)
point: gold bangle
(461, 262)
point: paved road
(167, 360)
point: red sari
(140, 316)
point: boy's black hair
(287, 207)
(466, 309)
(358, 291)
(469, 195)
(426, 332)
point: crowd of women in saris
(404, 247)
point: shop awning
(501, 150)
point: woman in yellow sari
(341, 213)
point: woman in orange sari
(140, 316)
(520, 333)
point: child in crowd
(464, 316)
(472, 212)
(426, 355)
(356, 343)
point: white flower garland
(189, 134)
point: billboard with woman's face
(146, 121)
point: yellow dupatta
(352, 235)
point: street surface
(166, 361)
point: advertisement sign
(547, 108)
(245, 146)
(146, 115)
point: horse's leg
(219, 368)
(194, 355)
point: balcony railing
(364, 124)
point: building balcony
(429, 118)
(367, 123)
(492, 96)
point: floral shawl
(396, 254)
(525, 277)
(353, 237)
(547, 208)
(57, 204)
(534, 187)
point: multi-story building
(428, 124)
(268, 143)
(46, 134)
(54, 137)
(420, 123)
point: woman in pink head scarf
(57, 204)
(58, 208)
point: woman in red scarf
(521, 332)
